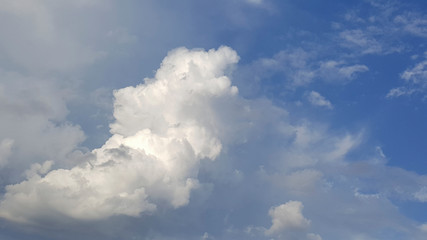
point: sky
(210, 120)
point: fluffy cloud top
(287, 216)
(163, 128)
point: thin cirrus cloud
(381, 28)
(301, 67)
(415, 81)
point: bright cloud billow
(287, 216)
(162, 130)
(289, 222)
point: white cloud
(166, 128)
(163, 128)
(342, 147)
(379, 29)
(301, 67)
(413, 23)
(206, 236)
(313, 145)
(400, 91)
(415, 81)
(287, 217)
(318, 100)
(295, 64)
(360, 41)
(417, 74)
(333, 71)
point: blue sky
(238, 119)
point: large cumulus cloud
(188, 131)
(163, 128)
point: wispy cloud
(301, 67)
(380, 29)
(318, 100)
(412, 23)
(415, 81)
(359, 40)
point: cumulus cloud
(162, 130)
(318, 100)
(287, 217)
(187, 135)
